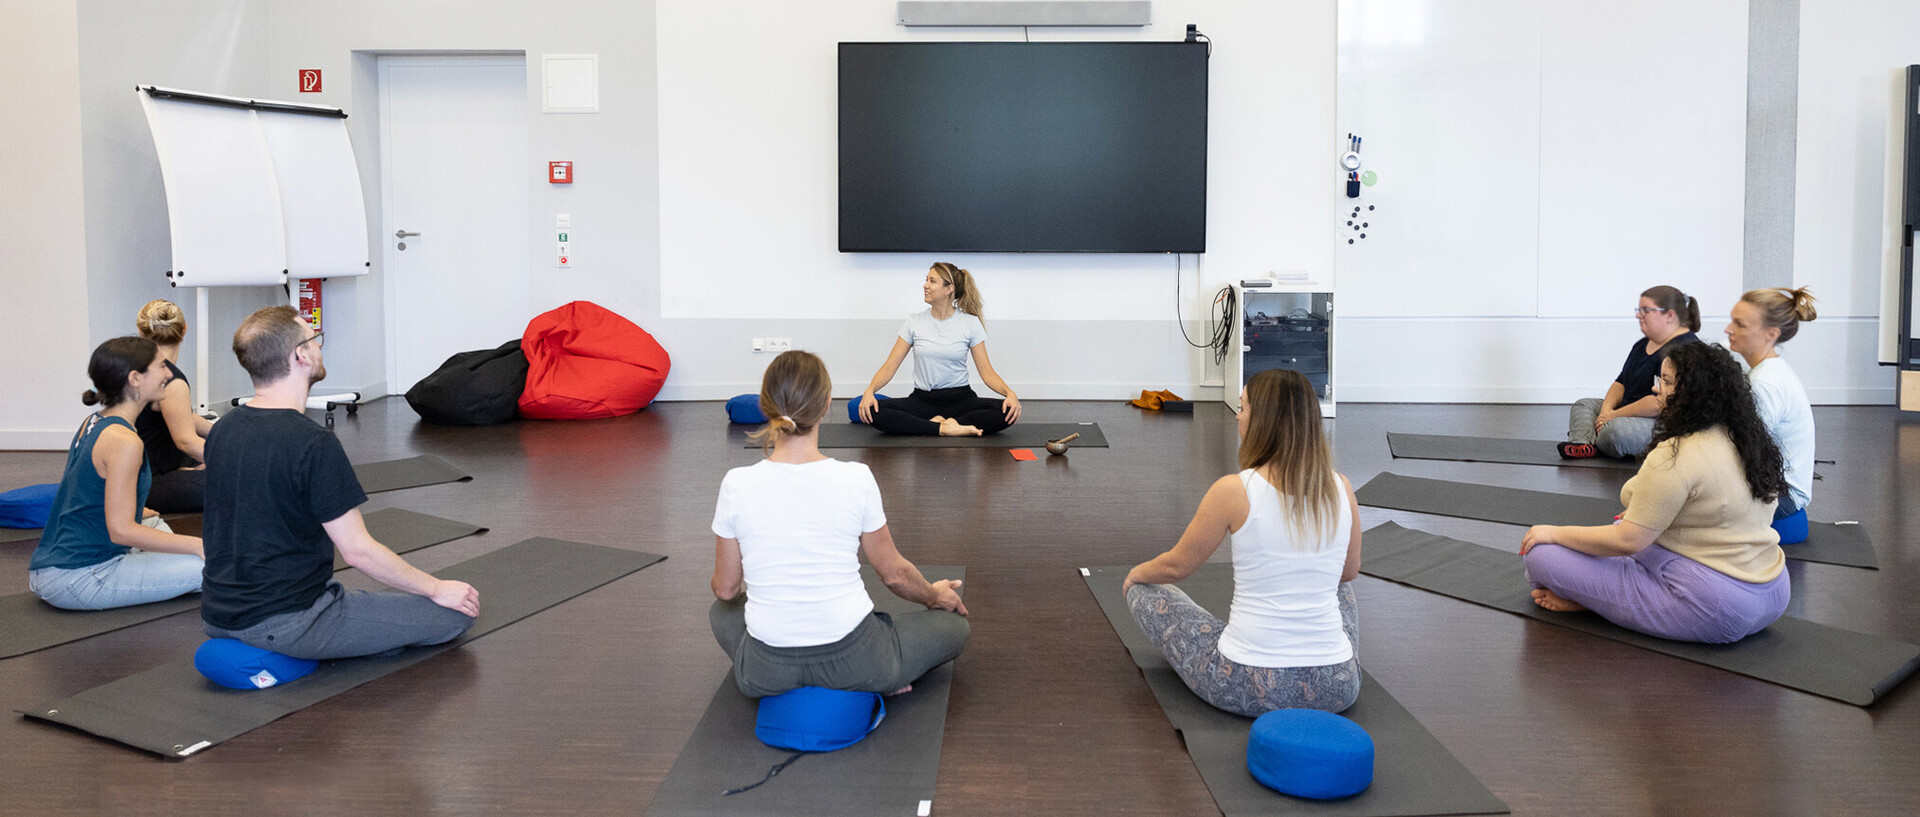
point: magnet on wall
(1368, 178)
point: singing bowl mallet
(1060, 446)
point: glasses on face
(318, 340)
(1648, 310)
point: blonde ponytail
(966, 293)
(794, 394)
(1783, 309)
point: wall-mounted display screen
(1023, 147)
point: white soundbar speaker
(1025, 12)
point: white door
(455, 174)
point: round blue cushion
(853, 407)
(745, 409)
(1793, 529)
(27, 507)
(234, 665)
(812, 719)
(1309, 753)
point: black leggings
(914, 413)
(180, 491)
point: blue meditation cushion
(1793, 529)
(853, 407)
(1310, 753)
(235, 665)
(27, 507)
(812, 719)
(745, 409)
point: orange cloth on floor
(1151, 400)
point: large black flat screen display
(1023, 147)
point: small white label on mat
(195, 748)
(1085, 572)
(1848, 522)
(263, 679)
(926, 808)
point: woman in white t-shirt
(788, 535)
(1762, 320)
(1292, 638)
(941, 339)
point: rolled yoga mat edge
(28, 624)
(891, 773)
(1414, 774)
(1018, 435)
(1827, 661)
(174, 712)
(1827, 542)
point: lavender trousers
(1659, 592)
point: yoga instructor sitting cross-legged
(788, 534)
(280, 497)
(941, 339)
(1694, 557)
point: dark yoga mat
(412, 472)
(28, 624)
(26, 534)
(1827, 542)
(1826, 661)
(173, 711)
(890, 774)
(1413, 773)
(1019, 435)
(1493, 449)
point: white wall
(42, 227)
(217, 46)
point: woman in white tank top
(1291, 640)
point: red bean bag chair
(584, 362)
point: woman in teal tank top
(97, 551)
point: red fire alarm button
(309, 80)
(560, 172)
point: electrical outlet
(759, 344)
(779, 344)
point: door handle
(403, 234)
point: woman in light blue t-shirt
(941, 339)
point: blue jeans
(134, 577)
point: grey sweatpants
(345, 623)
(883, 653)
(1189, 637)
(1623, 437)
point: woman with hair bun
(1694, 557)
(792, 610)
(1621, 423)
(1762, 320)
(100, 549)
(941, 339)
(175, 437)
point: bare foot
(952, 428)
(901, 691)
(1552, 601)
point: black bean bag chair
(473, 388)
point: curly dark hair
(1710, 390)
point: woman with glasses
(1621, 423)
(101, 549)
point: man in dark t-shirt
(280, 497)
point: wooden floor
(582, 708)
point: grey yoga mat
(1827, 542)
(174, 712)
(1018, 435)
(1413, 774)
(28, 624)
(412, 472)
(889, 774)
(1492, 449)
(19, 534)
(1826, 661)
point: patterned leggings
(1190, 638)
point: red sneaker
(1578, 451)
